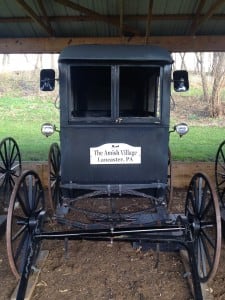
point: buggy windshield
(115, 91)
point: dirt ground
(100, 270)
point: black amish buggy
(110, 179)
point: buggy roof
(116, 52)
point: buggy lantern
(47, 129)
(181, 129)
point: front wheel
(203, 213)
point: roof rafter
(170, 17)
(149, 19)
(208, 15)
(121, 17)
(43, 10)
(33, 15)
(100, 17)
(197, 15)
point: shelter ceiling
(48, 26)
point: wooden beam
(55, 45)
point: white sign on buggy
(115, 154)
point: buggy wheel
(26, 204)
(203, 214)
(169, 190)
(10, 167)
(54, 176)
(220, 173)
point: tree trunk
(205, 87)
(218, 72)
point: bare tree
(38, 64)
(205, 84)
(5, 60)
(183, 64)
(212, 89)
(219, 76)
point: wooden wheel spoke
(206, 210)
(189, 211)
(222, 182)
(21, 248)
(26, 197)
(3, 160)
(222, 166)
(4, 183)
(55, 162)
(191, 198)
(222, 154)
(208, 238)
(6, 154)
(19, 232)
(13, 155)
(201, 258)
(207, 255)
(22, 205)
(2, 170)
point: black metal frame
(178, 233)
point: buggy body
(114, 118)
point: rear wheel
(26, 205)
(220, 172)
(203, 214)
(10, 168)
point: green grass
(21, 118)
(199, 144)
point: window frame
(115, 93)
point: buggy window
(139, 91)
(91, 91)
(116, 92)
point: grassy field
(200, 143)
(22, 118)
(23, 108)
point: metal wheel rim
(10, 167)
(26, 202)
(54, 176)
(220, 172)
(202, 204)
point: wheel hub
(195, 225)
